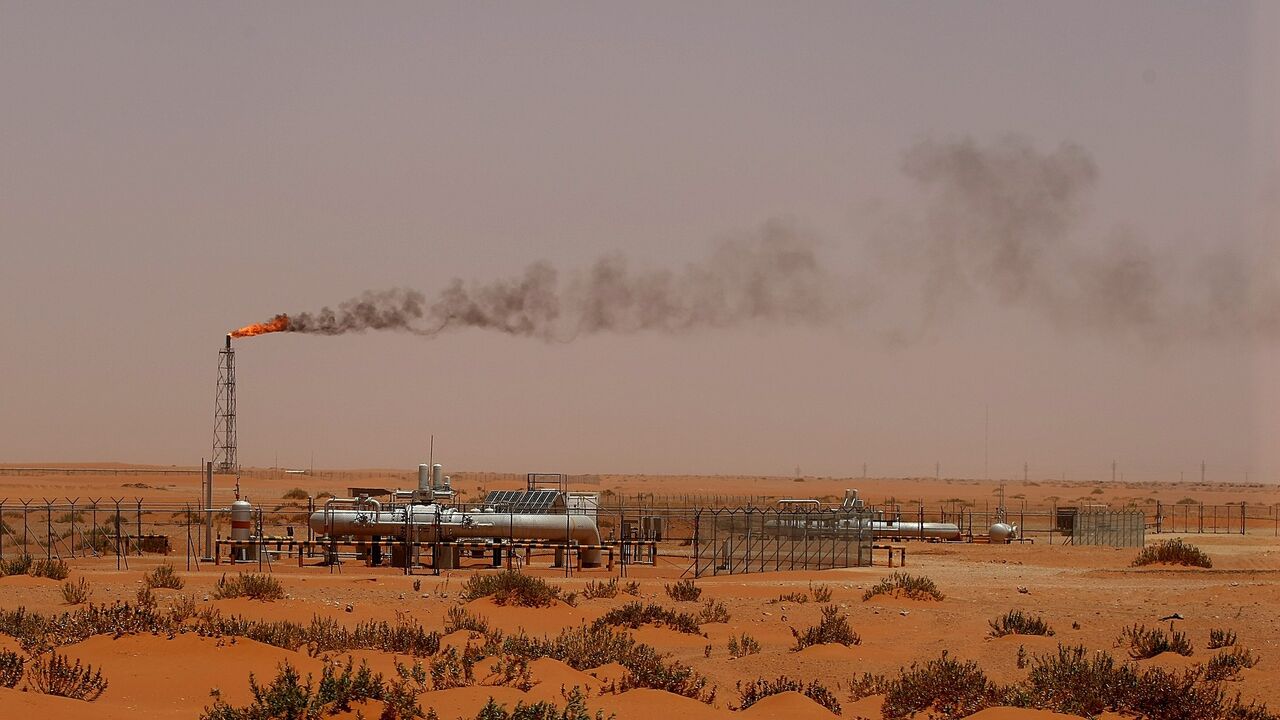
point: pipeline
(432, 523)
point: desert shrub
(145, 597)
(511, 588)
(867, 685)
(741, 646)
(52, 674)
(915, 587)
(635, 614)
(408, 638)
(833, 628)
(457, 618)
(289, 697)
(713, 612)
(760, 689)
(590, 646)
(632, 588)
(1016, 622)
(683, 591)
(16, 566)
(1173, 552)
(11, 667)
(1227, 665)
(596, 589)
(451, 669)
(575, 709)
(250, 585)
(1144, 643)
(798, 598)
(296, 494)
(947, 688)
(76, 593)
(821, 593)
(163, 576)
(70, 517)
(1079, 682)
(513, 671)
(52, 569)
(183, 608)
(1220, 638)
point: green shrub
(915, 587)
(834, 628)
(635, 614)
(19, 565)
(1172, 552)
(52, 674)
(760, 689)
(1220, 638)
(451, 669)
(576, 709)
(596, 589)
(1144, 643)
(1227, 665)
(1078, 682)
(11, 667)
(947, 688)
(683, 591)
(1016, 622)
(510, 587)
(52, 569)
(163, 576)
(76, 593)
(289, 697)
(457, 618)
(257, 587)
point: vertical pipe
(208, 510)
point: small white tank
(1002, 532)
(242, 529)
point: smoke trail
(999, 220)
(774, 276)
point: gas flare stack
(224, 412)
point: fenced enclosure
(753, 540)
(1113, 528)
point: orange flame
(279, 323)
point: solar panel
(522, 501)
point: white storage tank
(242, 529)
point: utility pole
(1202, 469)
(1025, 468)
(986, 442)
(1113, 471)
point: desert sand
(1087, 594)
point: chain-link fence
(752, 540)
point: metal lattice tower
(224, 412)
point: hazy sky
(169, 171)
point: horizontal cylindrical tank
(928, 530)
(429, 523)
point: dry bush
(635, 614)
(457, 618)
(798, 598)
(1172, 552)
(760, 689)
(1220, 638)
(1144, 643)
(11, 667)
(52, 674)
(296, 494)
(52, 569)
(145, 597)
(834, 628)
(163, 576)
(1079, 682)
(741, 646)
(76, 593)
(19, 565)
(257, 587)
(510, 587)
(596, 589)
(1227, 665)
(867, 685)
(713, 612)
(576, 709)
(947, 688)
(1016, 622)
(915, 587)
(290, 697)
(632, 588)
(821, 593)
(683, 591)
(451, 669)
